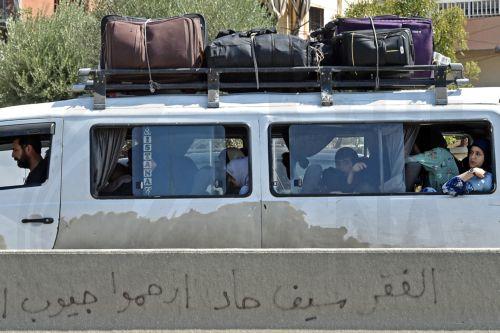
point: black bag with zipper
(358, 48)
(258, 48)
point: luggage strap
(377, 78)
(152, 85)
(254, 57)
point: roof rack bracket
(326, 86)
(99, 90)
(213, 85)
(440, 89)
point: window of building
(348, 159)
(170, 161)
(31, 143)
(316, 18)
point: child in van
(349, 174)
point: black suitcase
(395, 48)
(358, 48)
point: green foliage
(367, 8)
(219, 14)
(423, 8)
(449, 31)
(472, 71)
(40, 61)
(41, 58)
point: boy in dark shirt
(349, 174)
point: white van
(167, 171)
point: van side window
(25, 154)
(438, 158)
(339, 159)
(170, 161)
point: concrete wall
(376, 289)
(489, 62)
(483, 41)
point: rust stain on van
(234, 225)
(286, 226)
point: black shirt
(38, 175)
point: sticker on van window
(148, 165)
(172, 164)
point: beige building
(483, 37)
(45, 7)
(36, 7)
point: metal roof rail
(326, 79)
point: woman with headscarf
(479, 177)
(237, 169)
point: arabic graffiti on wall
(184, 293)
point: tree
(448, 24)
(219, 14)
(41, 58)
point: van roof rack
(326, 79)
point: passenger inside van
(431, 152)
(479, 177)
(349, 174)
(237, 170)
(26, 151)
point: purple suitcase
(421, 29)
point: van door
(335, 183)
(310, 200)
(29, 213)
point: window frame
(246, 126)
(26, 129)
(320, 11)
(482, 121)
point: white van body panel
(152, 222)
(262, 219)
(405, 220)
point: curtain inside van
(106, 146)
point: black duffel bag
(358, 48)
(256, 49)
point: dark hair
(346, 153)
(32, 140)
(430, 138)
